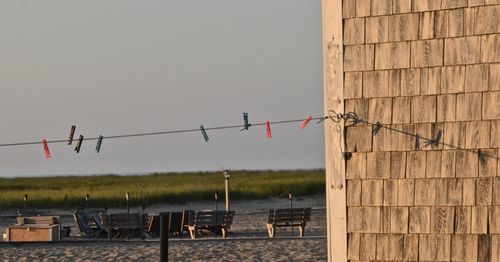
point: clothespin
(377, 128)
(204, 133)
(245, 121)
(79, 144)
(306, 122)
(417, 142)
(99, 143)
(268, 130)
(71, 134)
(46, 148)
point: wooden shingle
(434, 247)
(390, 247)
(358, 58)
(494, 82)
(423, 109)
(426, 25)
(453, 3)
(442, 220)
(381, 7)
(446, 107)
(353, 240)
(398, 164)
(453, 79)
(354, 31)
(462, 50)
(359, 138)
(476, 78)
(430, 81)
(466, 163)
(394, 82)
(463, 220)
(392, 55)
(425, 5)
(373, 192)
(469, 192)
(357, 106)
(377, 29)
(401, 6)
(410, 82)
(427, 53)
(496, 191)
(384, 140)
(348, 8)
(479, 221)
(489, 48)
(464, 248)
(448, 163)
(441, 192)
(449, 23)
(469, 21)
(400, 108)
(354, 219)
(390, 192)
(425, 192)
(399, 220)
(491, 105)
(420, 220)
(406, 192)
(454, 190)
(487, 19)
(470, 108)
(353, 85)
(385, 220)
(433, 164)
(484, 194)
(371, 219)
(454, 135)
(363, 8)
(356, 166)
(403, 27)
(367, 247)
(353, 192)
(494, 220)
(380, 109)
(375, 84)
(477, 134)
(495, 134)
(411, 247)
(415, 164)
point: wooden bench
(215, 221)
(178, 222)
(123, 224)
(89, 223)
(37, 228)
(295, 217)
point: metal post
(128, 216)
(25, 201)
(163, 237)
(226, 176)
(291, 209)
(216, 209)
(87, 202)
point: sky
(117, 67)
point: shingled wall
(423, 67)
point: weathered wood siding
(425, 67)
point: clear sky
(121, 66)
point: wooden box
(34, 233)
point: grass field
(67, 192)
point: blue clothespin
(204, 133)
(245, 121)
(99, 143)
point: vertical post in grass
(291, 209)
(163, 236)
(226, 176)
(216, 195)
(87, 202)
(25, 201)
(128, 216)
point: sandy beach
(248, 240)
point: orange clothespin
(306, 122)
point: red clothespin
(306, 122)
(268, 129)
(46, 148)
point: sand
(247, 241)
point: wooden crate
(34, 233)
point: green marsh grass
(67, 192)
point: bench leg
(192, 232)
(270, 231)
(302, 229)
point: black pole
(291, 209)
(128, 217)
(163, 237)
(25, 201)
(216, 209)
